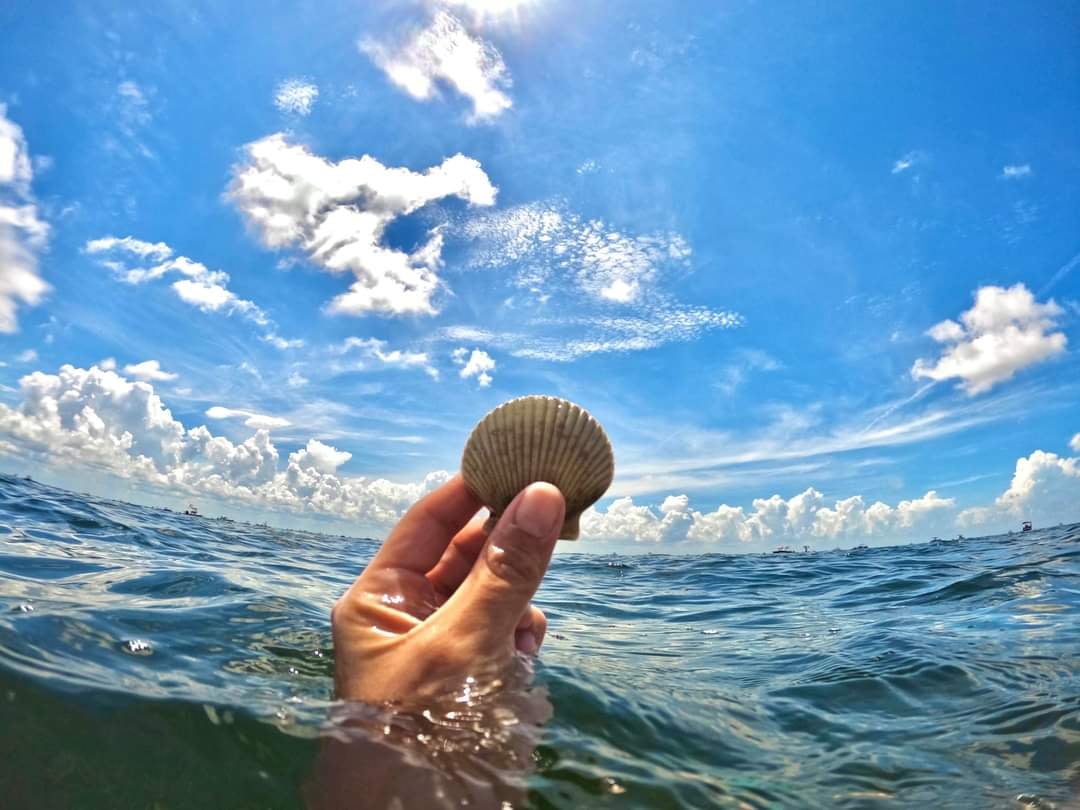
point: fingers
(421, 537)
(488, 605)
(460, 556)
(530, 631)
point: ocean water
(153, 660)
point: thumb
(508, 570)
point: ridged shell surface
(539, 438)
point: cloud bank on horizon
(301, 302)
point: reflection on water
(147, 658)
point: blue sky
(745, 237)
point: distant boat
(784, 550)
(192, 510)
(1026, 527)
(860, 547)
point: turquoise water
(149, 659)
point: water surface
(148, 659)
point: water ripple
(148, 658)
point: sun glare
(495, 10)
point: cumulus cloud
(1074, 443)
(321, 457)
(803, 517)
(1015, 172)
(1005, 331)
(375, 350)
(337, 213)
(1045, 488)
(98, 418)
(475, 364)
(149, 370)
(445, 52)
(295, 96)
(258, 421)
(134, 261)
(23, 234)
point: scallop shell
(538, 438)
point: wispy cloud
(907, 161)
(377, 351)
(1016, 172)
(296, 96)
(200, 287)
(563, 340)
(547, 244)
(446, 52)
(658, 457)
(730, 377)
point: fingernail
(536, 512)
(526, 642)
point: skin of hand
(442, 602)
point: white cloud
(321, 457)
(1045, 488)
(131, 115)
(97, 418)
(296, 380)
(23, 234)
(136, 104)
(475, 364)
(1015, 172)
(445, 51)
(802, 518)
(1005, 331)
(907, 161)
(376, 350)
(1074, 443)
(26, 356)
(149, 370)
(575, 337)
(295, 96)
(337, 213)
(278, 342)
(207, 296)
(731, 376)
(258, 421)
(155, 251)
(547, 244)
(482, 12)
(615, 281)
(201, 287)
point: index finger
(422, 535)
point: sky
(815, 267)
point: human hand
(442, 602)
